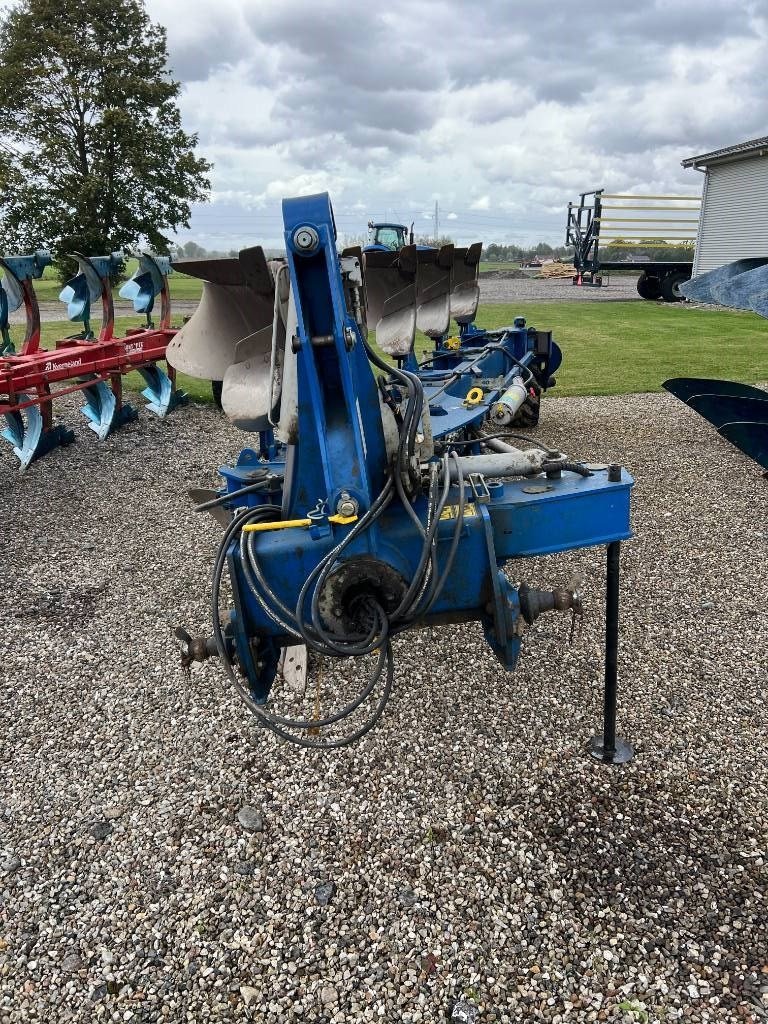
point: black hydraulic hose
(502, 436)
(454, 539)
(419, 578)
(266, 717)
(223, 498)
(413, 413)
(571, 467)
(323, 568)
(457, 376)
(337, 716)
(302, 741)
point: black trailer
(595, 227)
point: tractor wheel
(648, 287)
(216, 386)
(670, 286)
(528, 413)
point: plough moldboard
(739, 412)
(237, 335)
(32, 378)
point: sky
(500, 110)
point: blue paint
(87, 285)
(341, 448)
(147, 282)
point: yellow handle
(289, 524)
(474, 396)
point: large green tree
(93, 156)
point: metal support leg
(609, 748)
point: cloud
(502, 112)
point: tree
(91, 130)
(349, 241)
(193, 251)
(430, 240)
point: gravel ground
(555, 289)
(467, 852)
(51, 312)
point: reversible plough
(32, 377)
(380, 496)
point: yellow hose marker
(474, 396)
(289, 524)
(452, 344)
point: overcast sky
(500, 110)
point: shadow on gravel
(685, 874)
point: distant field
(609, 348)
(498, 266)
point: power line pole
(436, 224)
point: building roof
(754, 147)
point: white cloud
(290, 98)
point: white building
(734, 204)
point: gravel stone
(545, 859)
(324, 893)
(464, 1012)
(72, 963)
(329, 996)
(249, 995)
(251, 819)
(100, 829)
(407, 898)
(9, 862)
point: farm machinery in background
(386, 237)
(391, 251)
(32, 378)
(378, 497)
(593, 227)
(739, 412)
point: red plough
(31, 379)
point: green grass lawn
(609, 348)
(616, 348)
(182, 287)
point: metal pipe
(609, 748)
(496, 444)
(611, 649)
(508, 463)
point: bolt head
(306, 239)
(347, 507)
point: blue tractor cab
(388, 237)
